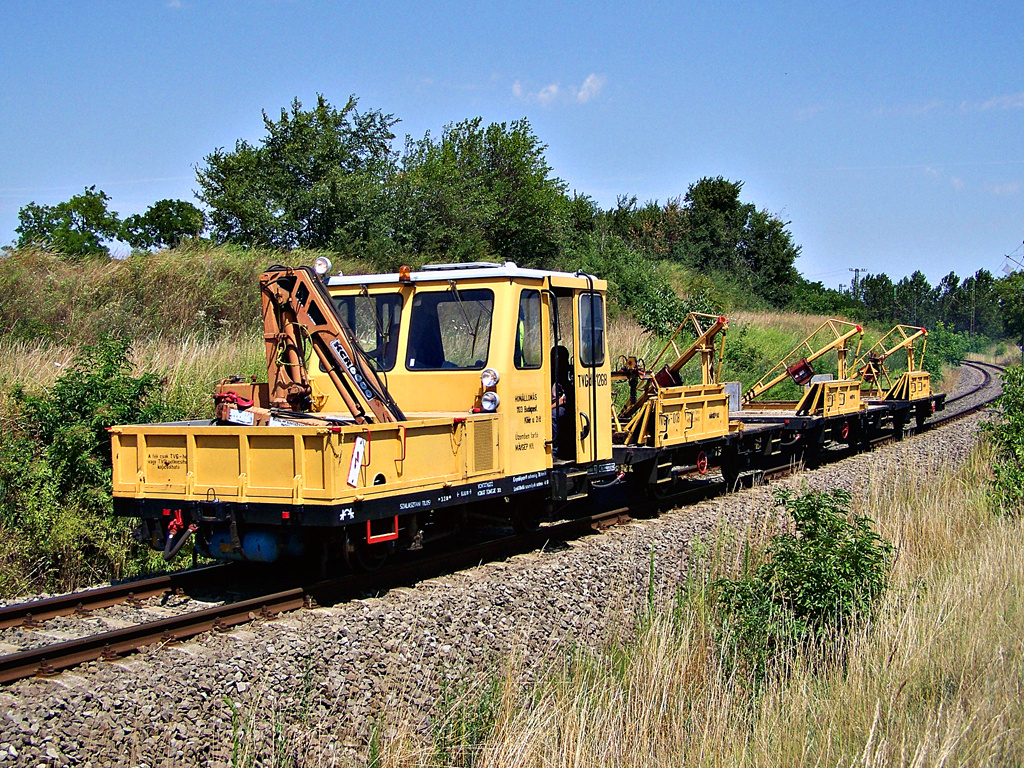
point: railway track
(112, 644)
(32, 614)
(986, 370)
(115, 643)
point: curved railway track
(114, 643)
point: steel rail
(113, 644)
(985, 382)
(109, 645)
(945, 418)
(30, 614)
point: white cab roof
(443, 272)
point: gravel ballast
(330, 672)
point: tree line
(331, 178)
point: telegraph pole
(856, 281)
(1009, 271)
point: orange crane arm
(297, 308)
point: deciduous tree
(164, 224)
(315, 180)
(76, 228)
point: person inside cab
(563, 405)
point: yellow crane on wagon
(666, 411)
(822, 397)
(913, 384)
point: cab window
(528, 331)
(450, 329)
(375, 320)
(591, 329)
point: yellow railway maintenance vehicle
(399, 408)
(830, 410)
(396, 407)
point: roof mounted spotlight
(322, 265)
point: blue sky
(890, 135)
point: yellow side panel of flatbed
(303, 465)
(841, 397)
(911, 385)
(687, 414)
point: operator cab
(525, 345)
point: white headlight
(490, 401)
(322, 265)
(489, 377)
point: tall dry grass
(934, 680)
(189, 368)
(792, 322)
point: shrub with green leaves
(821, 578)
(1006, 431)
(55, 495)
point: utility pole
(856, 281)
(1009, 271)
(974, 285)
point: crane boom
(871, 367)
(634, 372)
(841, 330)
(297, 308)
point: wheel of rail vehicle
(663, 487)
(922, 415)
(526, 514)
(899, 426)
(368, 557)
(730, 476)
(810, 456)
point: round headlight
(490, 401)
(489, 377)
(322, 265)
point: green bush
(55, 496)
(635, 283)
(945, 347)
(817, 580)
(1006, 432)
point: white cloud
(175, 4)
(554, 93)
(548, 93)
(1006, 101)
(939, 175)
(590, 88)
(1009, 188)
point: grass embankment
(934, 679)
(200, 292)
